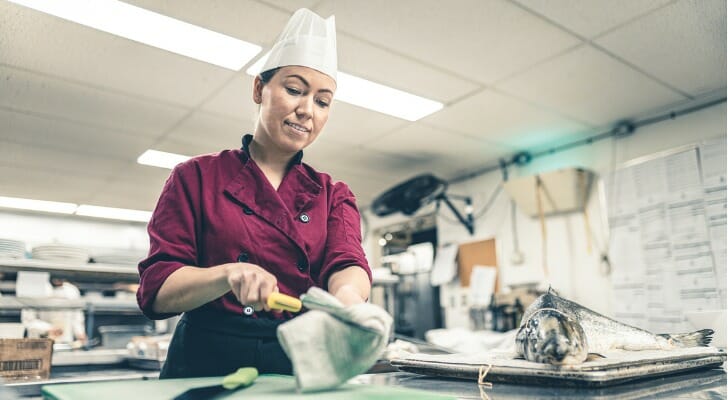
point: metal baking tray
(617, 367)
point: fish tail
(692, 339)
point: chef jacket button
(304, 218)
(247, 210)
(243, 257)
(302, 265)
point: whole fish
(557, 331)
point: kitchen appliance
(411, 195)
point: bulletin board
(476, 253)
(667, 220)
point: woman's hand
(348, 295)
(55, 332)
(350, 285)
(251, 284)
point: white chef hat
(307, 40)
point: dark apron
(211, 343)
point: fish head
(549, 336)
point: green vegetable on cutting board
(241, 378)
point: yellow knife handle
(241, 378)
(280, 301)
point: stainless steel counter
(80, 374)
(709, 384)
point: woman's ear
(257, 90)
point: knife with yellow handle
(241, 378)
(283, 302)
(278, 301)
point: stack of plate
(127, 258)
(10, 248)
(60, 252)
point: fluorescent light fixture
(70, 208)
(384, 99)
(161, 159)
(373, 96)
(37, 205)
(153, 29)
(113, 213)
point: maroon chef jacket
(220, 208)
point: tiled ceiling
(78, 106)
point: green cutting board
(274, 387)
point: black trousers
(210, 343)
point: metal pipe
(614, 131)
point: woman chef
(232, 227)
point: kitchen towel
(332, 343)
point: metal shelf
(87, 272)
(97, 304)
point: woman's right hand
(251, 284)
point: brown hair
(266, 76)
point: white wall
(574, 267)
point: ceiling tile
(65, 136)
(78, 105)
(590, 85)
(501, 119)
(118, 197)
(137, 187)
(440, 152)
(359, 58)
(345, 160)
(481, 40)
(210, 131)
(38, 94)
(355, 125)
(249, 20)
(332, 158)
(188, 149)
(142, 176)
(364, 187)
(46, 184)
(62, 162)
(234, 100)
(291, 5)
(321, 153)
(36, 41)
(370, 162)
(589, 18)
(683, 44)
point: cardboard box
(476, 253)
(25, 359)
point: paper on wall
(444, 268)
(424, 255)
(713, 161)
(667, 246)
(482, 284)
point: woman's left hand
(350, 285)
(348, 295)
